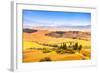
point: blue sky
(52, 18)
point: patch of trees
(62, 48)
(29, 30)
(71, 48)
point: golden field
(40, 46)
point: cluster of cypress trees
(72, 46)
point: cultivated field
(44, 45)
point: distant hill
(70, 34)
(59, 26)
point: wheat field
(37, 47)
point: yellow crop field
(46, 48)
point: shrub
(45, 59)
(54, 45)
(46, 50)
(60, 51)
